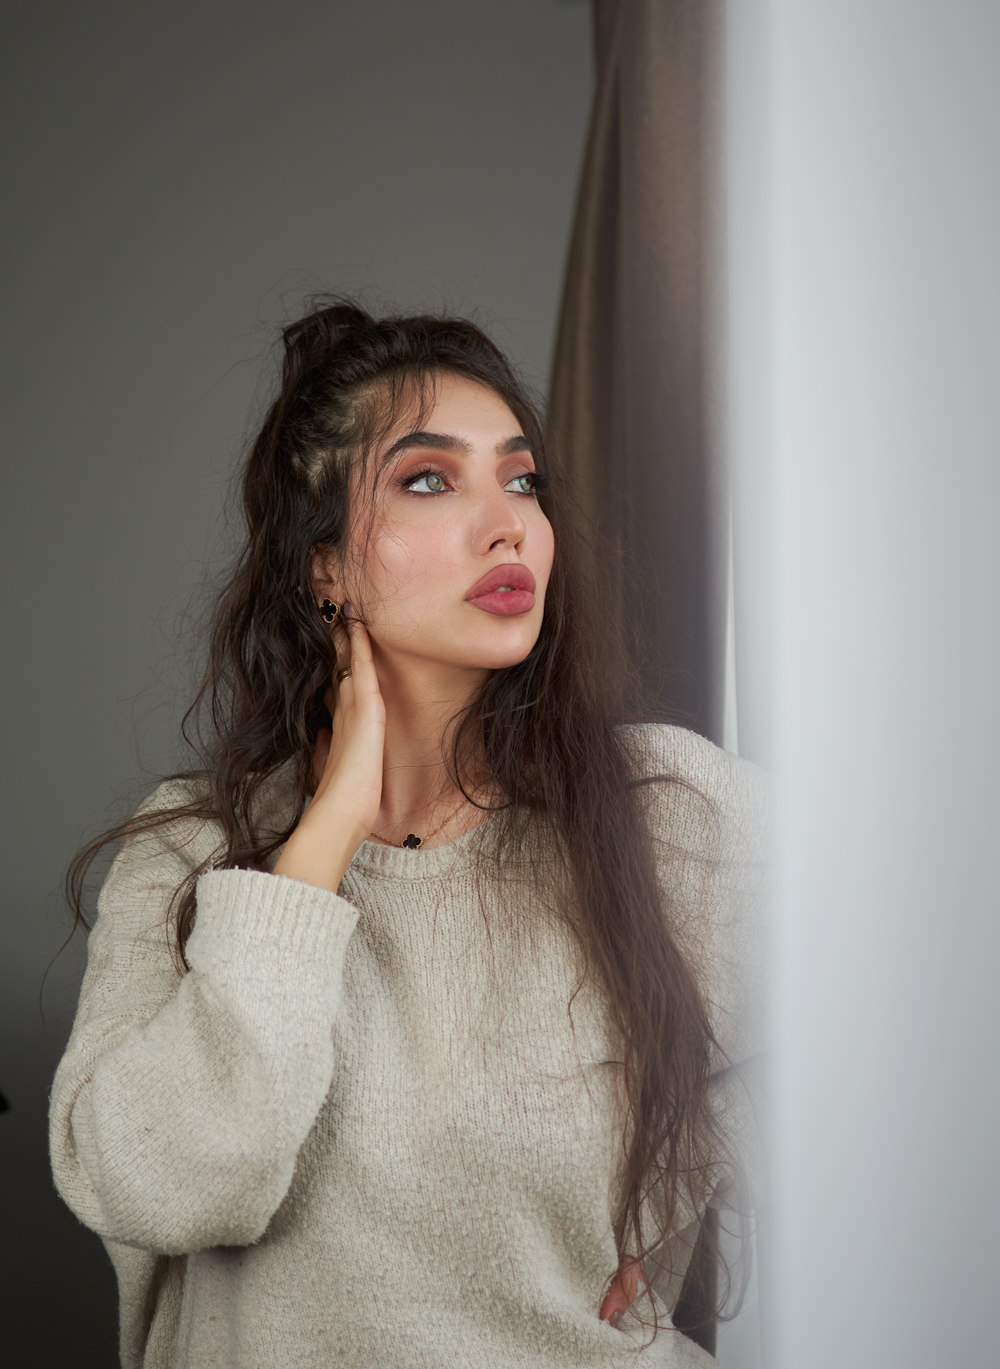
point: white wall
(866, 224)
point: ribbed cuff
(271, 944)
(235, 905)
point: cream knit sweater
(365, 1130)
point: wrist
(318, 853)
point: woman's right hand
(348, 768)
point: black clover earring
(329, 610)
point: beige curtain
(636, 406)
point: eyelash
(538, 482)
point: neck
(421, 699)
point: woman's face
(454, 568)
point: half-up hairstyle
(546, 731)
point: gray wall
(181, 176)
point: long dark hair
(546, 731)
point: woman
(409, 1017)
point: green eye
(429, 483)
(522, 484)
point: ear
(324, 576)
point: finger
(621, 1295)
(362, 662)
(614, 1304)
(360, 642)
(343, 664)
(630, 1280)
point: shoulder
(698, 796)
(179, 817)
(175, 833)
(709, 815)
(173, 819)
(174, 837)
(170, 838)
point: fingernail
(615, 1319)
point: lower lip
(507, 603)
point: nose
(499, 522)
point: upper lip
(512, 576)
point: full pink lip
(506, 590)
(513, 575)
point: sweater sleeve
(182, 1100)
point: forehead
(455, 407)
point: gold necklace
(411, 841)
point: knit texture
(366, 1129)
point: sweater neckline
(398, 862)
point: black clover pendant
(412, 842)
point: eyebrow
(448, 443)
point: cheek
(545, 549)
(409, 561)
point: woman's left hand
(622, 1293)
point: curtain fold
(637, 397)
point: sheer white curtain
(864, 231)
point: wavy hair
(545, 731)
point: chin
(506, 661)
(499, 655)
(495, 644)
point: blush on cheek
(407, 569)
